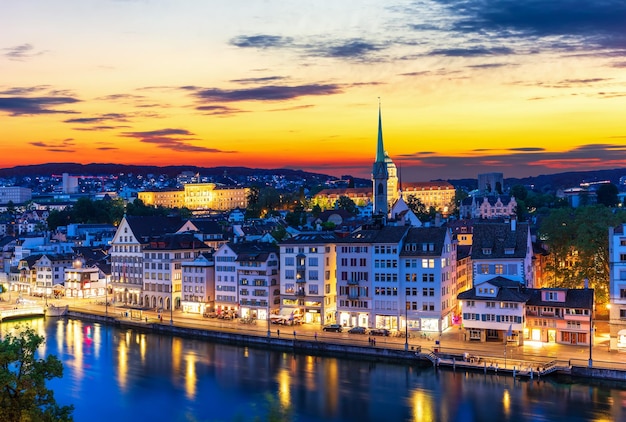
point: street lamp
(590, 322)
(172, 304)
(406, 326)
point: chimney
(586, 283)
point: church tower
(380, 175)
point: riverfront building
(308, 277)
(617, 287)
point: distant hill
(101, 169)
(544, 183)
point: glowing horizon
(499, 87)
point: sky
(521, 87)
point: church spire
(380, 149)
(380, 175)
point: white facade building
(308, 277)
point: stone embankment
(382, 353)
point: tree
(345, 203)
(607, 195)
(23, 392)
(519, 192)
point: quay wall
(325, 348)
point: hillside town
(419, 257)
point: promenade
(448, 343)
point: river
(120, 375)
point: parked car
(333, 327)
(357, 330)
(379, 332)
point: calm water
(121, 375)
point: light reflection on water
(125, 375)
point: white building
(127, 266)
(308, 277)
(617, 287)
(163, 258)
(198, 295)
(368, 282)
(246, 279)
(428, 279)
(494, 310)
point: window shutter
(483, 317)
(497, 318)
(465, 316)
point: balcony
(300, 293)
(353, 282)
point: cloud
(258, 80)
(574, 24)
(103, 117)
(472, 52)
(264, 93)
(261, 41)
(21, 52)
(66, 145)
(219, 110)
(17, 106)
(514, 162)
(174, 139)
(354, 48)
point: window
(483, 268)
(313, 289)
(290, 274)
(289, 261)
(289, 288)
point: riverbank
(475, 361)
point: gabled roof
(419, 236)
(309, 238)
(145, 227)
(175, 241)
(387, 234)
(574, 298)
(492, 239)
(508, 291)
(206, 226)
(253, 251)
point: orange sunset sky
(466, 87)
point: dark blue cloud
(266, 93)
(594, 23)
(261, 41)
(513, 162)
(472, 51)
(17, 106)
(179, 140)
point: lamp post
(106, 296)
(406, 326)
(172, 304)
(590, 323)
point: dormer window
(551, 296)
(486, 251)
(509, 251)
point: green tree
(24, 395)
(519, 192)
(345, 203)
(577, 241)
(607, 195)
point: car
(379, 332)
(357, 330)
(333, 327)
